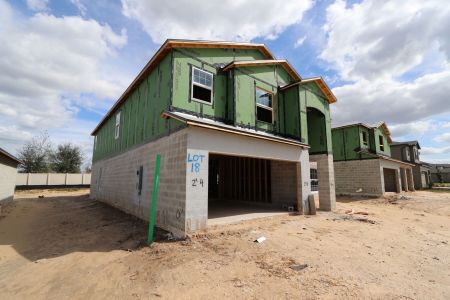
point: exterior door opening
(389, 180)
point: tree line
(39, 156)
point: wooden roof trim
(162, 52)
(320, 83)
(10, 156)
(265, 62)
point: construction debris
(353, 212)
(298, 267)
(260, 239)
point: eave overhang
(219, 126)
(265, 62)
(324, 88)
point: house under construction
(234, 126)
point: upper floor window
(95, 142)
(202, 86)
(117, 127)
(365, 138)
(416, 153)
(407, 154)
(264, 105)
(381, 140)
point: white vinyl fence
(63, 179)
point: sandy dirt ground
(65, 246)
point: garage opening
(389, 180)
(239, 188)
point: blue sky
(65, 62)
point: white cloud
(445, 124)
(48, 64)
(300, 42)
(376, 39)
(443, 138)
(373, 44)
(418, 128)
(229, 20)
(435, 150)
(37, 5)
(80, 6)
(392, 101)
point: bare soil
(67, 246)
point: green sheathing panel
(338, 144)
(387, 149)
(292, 116)
(371, 143)
(140, 114)
(267, 78)
(237, 84)
(345, 141)
(182, 87)
(312, 97)
(317, 134)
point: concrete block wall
(115, 181)
(326, 178)
(284, 186)
(394, 166)
(358, 177)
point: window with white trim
(408, 158)
(381, 140)
(365, 138)
(117, 127)
(202, 86)
(264, 105)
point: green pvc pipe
(151, 223)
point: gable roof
(164, 50)
(386, 131)
(408, 143)
(267, 62)
(9, 156)
(381, 124)
(324, 88)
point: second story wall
(381, 142)
(350, 142)
(234, 91)
(138, 119)
(316, 122)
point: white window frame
(416, 153)
(117, 126)
(265, 106)
(381, 142)
(211, 88)
(365, 134)
(407, 154)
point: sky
(64, 63)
